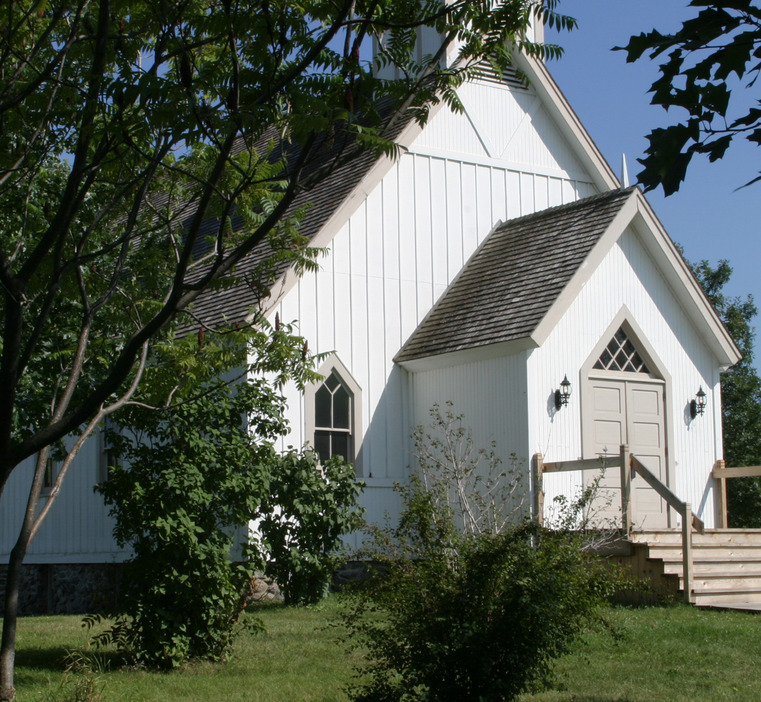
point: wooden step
(722, 536)
(726, 563)
(716, 598)
(722, 584)
(713, 551)
(721, 566)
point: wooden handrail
(741, 472)
(626, 462)
(671, 499)
(583, 464)
(721, 474)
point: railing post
(687, 551)
(721, 496)
(626, 487)
(539, 488)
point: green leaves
(308, 509)
(453, 613)
(195, 471)
(706, 60)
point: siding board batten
(484, 210)
(423, 237)
(468, 210)
(514, 201)
(453, 206)
(439, 226)
(499, 197)
(528, 205)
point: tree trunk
(10, 616)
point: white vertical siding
(384, 270)
(504, 126)
(490, 394)
(78, 529)
(408, 240)
(416, 230)
(628, 276)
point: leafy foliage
(187, 487)
(192, 474)
(456, 614)
(723, 40)
(740, 395)
(147, 149)
(306, 511)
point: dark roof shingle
(510, 283)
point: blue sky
(711, 216)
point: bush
(193, 476)
(456, 614)
(306, 511)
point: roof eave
(341, 215)
(468, 355)
(686, 288)
(636, 212)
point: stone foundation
(87, 588)
(67, 588)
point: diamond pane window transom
(621, 355)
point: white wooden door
(629, 412)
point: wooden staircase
(726, 570)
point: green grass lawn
(670, 653)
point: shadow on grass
(56, 659)
(42, 658)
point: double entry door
(627, 411)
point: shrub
(306, 511)
(192, 478)
(467, 614)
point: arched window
(333, 430)
(333, 420)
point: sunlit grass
(671, 653)
(678, 653)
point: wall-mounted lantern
(698, 405)
(563, 393)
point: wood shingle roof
(509, 284)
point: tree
(740, 394)
(148, 148)
(697, 77)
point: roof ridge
(583, 202)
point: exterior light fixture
(698, 405)
(562, 394)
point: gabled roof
(529, 270)
(510, 283)
(332, 201)
(227, 303)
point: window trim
(334, 365)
